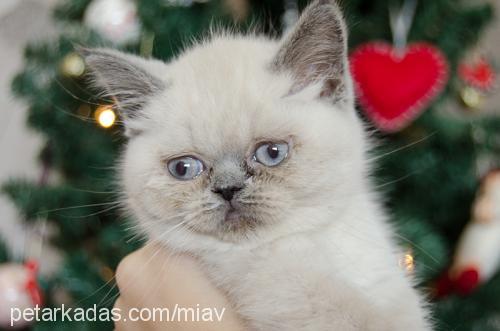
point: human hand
(151, 279)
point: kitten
(247, 152)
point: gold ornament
(73, 65)
(471, 97)
(105, 116)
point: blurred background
(62, 235)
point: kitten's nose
(228, 192)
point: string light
(407, 262)
(105, 116)
(73, 65)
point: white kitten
(247, 152)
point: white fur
(326, 260)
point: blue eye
(271, 154)
(185, 168)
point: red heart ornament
(394, 86)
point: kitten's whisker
(417, 246)
(69, 113)
(161, 244)
(165, 262)
(110, 300)
(97, 291)
(94, 214)
(402, 147)
(75, 96)
(81, 206)
(144, 265)
(138, 236)
(99, 192)
(150, 225)
(397, 180)
(104, 168)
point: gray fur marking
(125, 82)
(317, 50)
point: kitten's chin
(232, 216)
(229, 224)
(237, 224)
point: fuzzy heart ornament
(394, 86)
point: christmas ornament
(72, 65)
(471, 97)
(477, 257)
(116, 20)
(18, 289)
(395, 86)
(478, 75)
(478, 78)
(105, 116)
(395, 83)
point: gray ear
(315, 51)
(125, 78)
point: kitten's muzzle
(228, 193)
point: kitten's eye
(271, 154)
(185, 168)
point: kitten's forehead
(224, 59)
(221, 95)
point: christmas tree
(429, 170)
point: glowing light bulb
(105, 116)
(407, 262)
(73, 65)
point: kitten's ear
(315, 51)
(127, 79)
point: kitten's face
(233, 148)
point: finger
(122, 324)
(136, 322)
(167, 281)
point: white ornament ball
(116, 20)
(13, 293)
